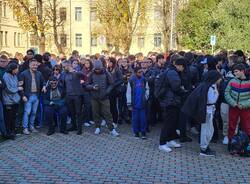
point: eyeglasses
(3, 61)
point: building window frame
(78, 14)
(78, 40)
(157, 39)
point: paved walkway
(104, 159)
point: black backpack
(161, 84)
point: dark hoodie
(196, 104)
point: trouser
(101, 110)
(234, 114)
(113, 107)
(74, 106)
(123, 108)
(168, 131)
(183, 121)
(2, 123)
(30, 108)
(152, 111)
(10, 114)
(207, 131)
(39, 113)
(139, 122)
(60, 112)
(224, 111)
(87, 111)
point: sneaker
(165, 148)
(33, 130)
(208, 152)
(50, 133)
(114, 133)
(92, 122)
(26, 131)
(71, 129)
(97, 131)
(103, 123)
(178, 132)
(79, 132)
(194, 131)
(64, 132)
(225, 140)
(115, 125)
(173, 144)
(143, 136)
(87, 124)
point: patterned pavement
(102, 158)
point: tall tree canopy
(120, 19)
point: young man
(200, 106)
(170, 103)
(54, 105)
(33, 84)
(71, 81)
(100, 84)
(138, 90)
(237, 95)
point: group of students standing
(179, 90)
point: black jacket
(27, 79)
(196, 104)
(45, 71)
(71, 82)
(174, 92)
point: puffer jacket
(174, 92)
(104, 82)
(238, 92)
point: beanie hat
(98, 65)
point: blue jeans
(30, 108)
(2, 124)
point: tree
(196, 23)
(119, 20)
(30, 18)
(233, 19)
(55, 21)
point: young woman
(11, 98)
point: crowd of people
(184, 91)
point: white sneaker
(115, 125)
(33, 130)
(103, 123)
(92, 122)
(225, 140)
(68, 120)
(26, 131)
(97, 131)
(87, 124)
(194, 131)
(178, 132)
(114, 133)
(173, 144)
(165, 148)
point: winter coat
(10, 91)
(238, 92)
(71, 83)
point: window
(157, 13)
(1, 38)
(18, 39)
(93, 14)
(93, 40)
(63, 13)
(4, 10)
(78, 13)
(63, 40)
(157, 39)
(141, 41)
(15, 39)
(6, 38)
(78, 40)
(33, 40)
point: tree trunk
(42, 39)
(42, 43)
(127, 45)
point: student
(100, 84)
(33, 84)
(200, 106)
(11, 98)
(237, 95)
(138, 89)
